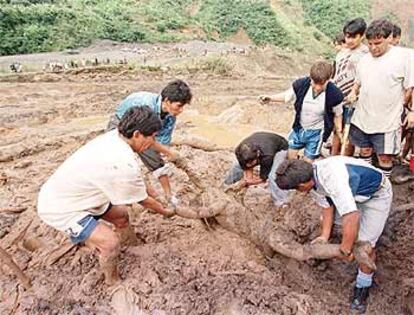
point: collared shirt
(152, 100)
(346, 181)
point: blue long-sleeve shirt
(152, 100)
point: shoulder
(334, 91)
(301, 82)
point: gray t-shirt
(313, 109)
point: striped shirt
(346, 63)
(346, 181)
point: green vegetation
(329, 16)
(28, 26)
(256, 17)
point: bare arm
(249, 177)
(350, 225)
(163, 149)
(157, 206)
(338, 126)
(409, 120)
(353, 95)
(280, 98)
(327, 222)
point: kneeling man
(100, 181)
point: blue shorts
(87, 226)
(310, 139)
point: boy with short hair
(266, 150)
(346, 62)
(317, 106)
(396, 35)
(167, 105)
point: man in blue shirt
(361, 196)
(167, 105)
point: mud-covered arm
(163, 149)
(249, 177)
(157, 206)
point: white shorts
(374, 214)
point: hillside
(29, 26)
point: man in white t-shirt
(101, 180)
(382, 78)
(346, 62)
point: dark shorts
(151, 158)
(382, 143)
(88, 224)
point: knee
(385, 159)
(110, 246)
(365, 152)
(122, 221)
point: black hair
(339, 39)
(177, 91)
(396, 31)
(290, 174)
(379, 29)
(355, 27)
(246, 153)
(141, 119)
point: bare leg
(118, 216)
(165, 184)
(105, 240)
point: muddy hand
(264, 99)
(320, 240)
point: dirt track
(181, 267)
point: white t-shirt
(383, 81)
(346, 62)
(105, 170)
(313, 109)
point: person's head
(139, 126)
(174, 96)
(295, 174)
(396, 35)
(378, 36)
(354, 31)
(247, 155)
(320, 73)
(339, 42)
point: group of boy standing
(102, 179)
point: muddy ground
(181, 266)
